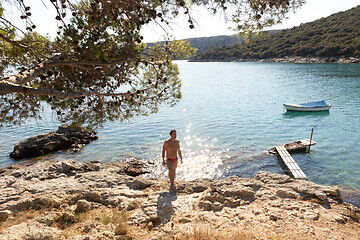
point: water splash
(201, 164)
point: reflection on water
(213, 162)
(202, 164)
(200, 159)
(292, 114)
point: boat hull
(299, 108)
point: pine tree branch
(26, 75)
(8, 87)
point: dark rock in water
(66, 137)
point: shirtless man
(171, 148)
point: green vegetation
(335, 36)
(202, 44)
(205, 43)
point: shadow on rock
(165, 208)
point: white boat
(308, 107)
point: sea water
(230, 114)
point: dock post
(312, 133)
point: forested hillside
(206, 43)
(202, 44)
(335, 36)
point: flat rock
(66, 137)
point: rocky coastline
(287, 59)
(94, 200)
(66, 137)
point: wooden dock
(290, 163)
(295, 146)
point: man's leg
(172, 173)
(172, 177)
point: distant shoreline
(287, 59)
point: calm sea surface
(229, 116)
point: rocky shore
(94, 200)
(66, 137)
(288, 59)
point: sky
(209, 25)
(206, 24)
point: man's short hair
(173, 130)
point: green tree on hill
(96, 68)
(335, 36)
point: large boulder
(66, 137)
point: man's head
(173, 133)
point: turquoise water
(229, 116)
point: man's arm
(179, 152)
(163, 154)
